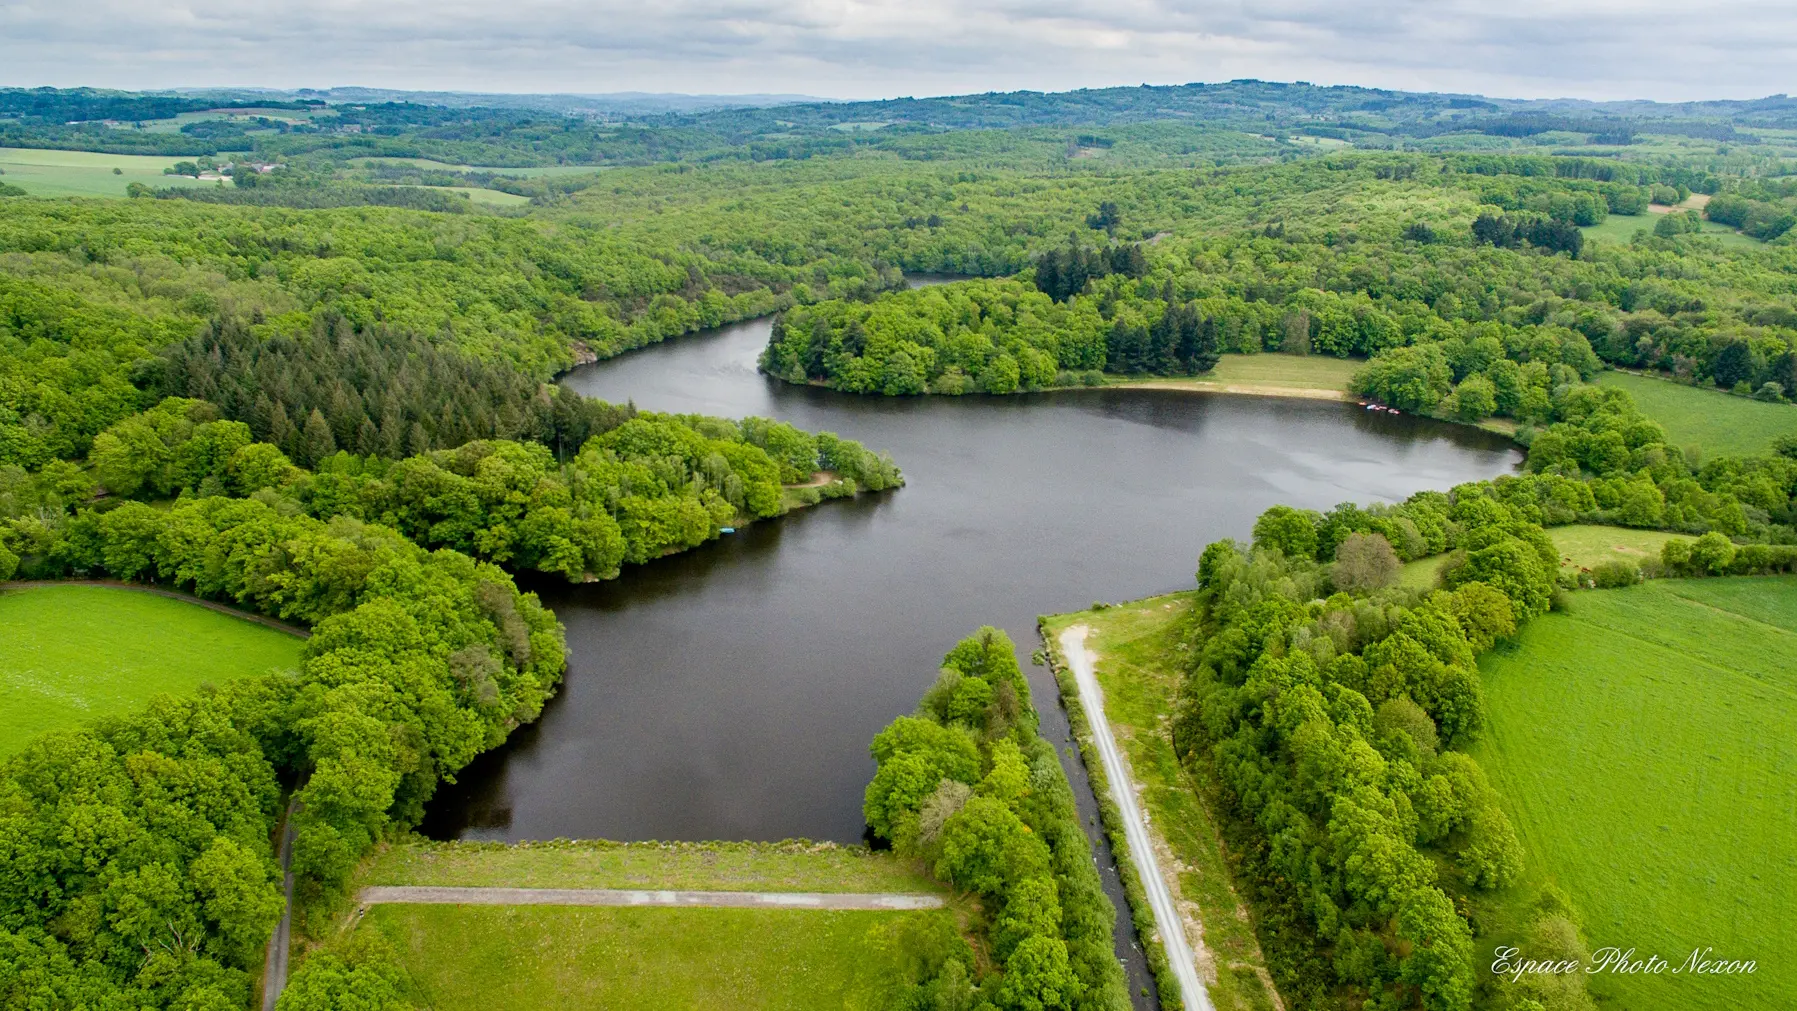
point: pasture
(495, 958)
(1715, 422)
(44, 173)
(1645, 743)
(69, 654)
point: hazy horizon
(1594, 50)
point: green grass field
(729, 866)
(71, 653)
(1137, 669)
(86, 174)
(1645, 743)
(1582, 546)
(494, 198)
(1717, 423)
(531, 957)
(1620, 229)
(1271, 371)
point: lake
(731, 692)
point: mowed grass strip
(494, 958)
(1645, 743)
(69, 654)
(1137, 649)
(722, 866)
(1270, 372)
(1716, 423)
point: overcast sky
(849, 49)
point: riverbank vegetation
(646, 486)
(970, 788)
(73, 654)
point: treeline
(138, 871)
(647, 486)
(1333, 711)
(970, 787)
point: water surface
(730, 692)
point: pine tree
(316, 443)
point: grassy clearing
(1645, 742)
(1582, 546)
(1271, 373)
(1715, 422)
(532, 957)
(1620, 230)
(43, 173)
(72, 653)
(728, 866)
(1136, 644)
(495, 198)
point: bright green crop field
(1645, 742)
(71, 653)
(1715, 422)
(43, 173)
(500, 958)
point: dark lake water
(730, 692)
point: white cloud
(861, 49)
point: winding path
(1141, 848)
(436, 895)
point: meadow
(46, 173)
(1582, 546)
(1715, 422)
(1269, 373)
(1645, 744)
(69, 654)
(529, 957)
(1620, 229)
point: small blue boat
(726, 530)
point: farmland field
(44, 173)
(72, 653)
(1645, 743)
(526, 957)
(1715, 422)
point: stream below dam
(730, 692)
